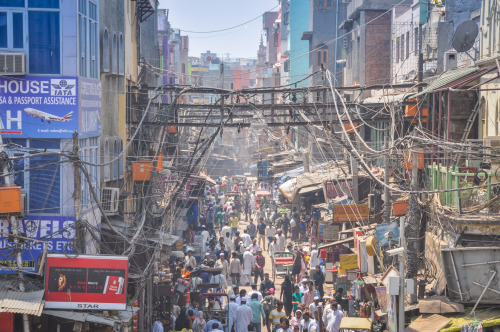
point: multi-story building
(405, 42)
(368, 41)
(489, 57)
(49, 90)
(297, 48)
(323, 35)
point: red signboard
(86, 282)
(335, 188)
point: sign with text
(57, 234)
(336, 188)
(38, 106)
(86, 282)
(90, 107)
(351, 212)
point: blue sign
(385, 232)
(57, 234)
(38, 106)
(90, 107)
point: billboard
(351, 212)
(51, 233)
(38, 106)
(89, 119)
(86, 282)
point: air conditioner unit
(12, 64)
(109, 200)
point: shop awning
(439, 305)
(428, 323)
(373, 278)
(122, 316)
(489, 317)
(207, 178)
(385, 99)
(18, 302)
(311, 189)
(165, 239)
(331, 244)
(454, 79)
(357, 323)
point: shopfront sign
(336, 188)
(351, 212)
(49, 234)
(38, 106)
(86, 282)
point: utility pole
(387, 201)
(308, 154)
(354, 172)
(14, 226)
(413, 220)
(401, 302)
(420, 58)
(77, 193)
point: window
(276, 38)
(397, 49)
(121, 56)
(44, 192)
(114, 60)
(87, 27)
(402, 43)
(106, 159)
(324, 4)
(105, 51)
(12, 30)
(120, 160)
(43, 3)
(18, 30)
(116, 162)
(407, 44)
(44, 44)
(20, 18)
(286, 66)
(416, 39)
(82, 43)
(322, 55)
(3, 30)
(12, 3)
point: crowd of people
(236, 254)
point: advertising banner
(391, 313)
(86, 282)
(55, 234)
(351, 212)
(90, 108)
(38, 107)
(382, 297)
